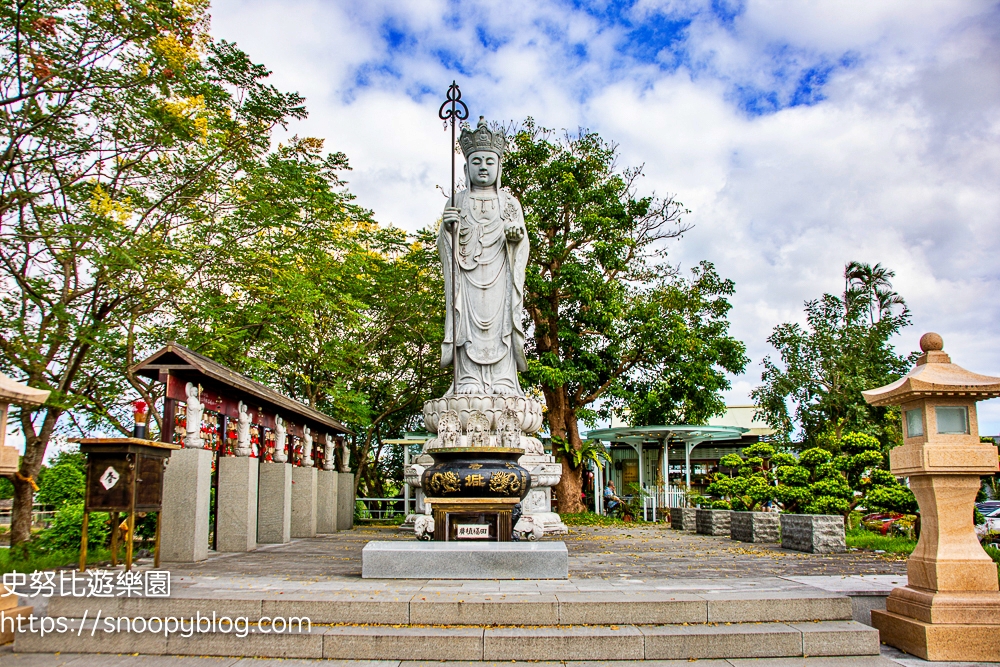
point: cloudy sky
(801, 135)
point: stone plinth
(684, 518)
(304, 501)
(345, 500)
(813, 533)
(464, 560)
(237, 504)
(187, 493)
(713, 522)
(9, 618)
(760, 527)
(326, 501)
(274, 504)
(536, 508)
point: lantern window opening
(952, 419)
(914, 423)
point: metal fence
(383, 509)
(40, 514)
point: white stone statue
(307, 447)
(492, 256)
(344, 463)
(280, 437)
(329, 453)
(195, 412)
(243, 431)
(478, 430)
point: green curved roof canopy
(674, 433)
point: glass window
(952, 419)
(914, 423)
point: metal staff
(451, 111)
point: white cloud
(898, 164)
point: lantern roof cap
(12, 391)
(934, 375)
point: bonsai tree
(752, 487)
(820, 483)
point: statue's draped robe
(490, 278)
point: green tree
(124, 127)
(611, 325)
(310, 295)
(843, 349)
(63, 482)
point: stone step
(478, 643)
(471, 608)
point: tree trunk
(20, 524)
(31, 464)
(562, 424)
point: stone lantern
(14, 392)
(950, 607)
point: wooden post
(130, 538)
(83, 542)
(114, 539)
(156, 544)
(130, 531)
(169, 418)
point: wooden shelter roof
(191, 366)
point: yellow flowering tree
(124, 130)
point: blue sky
(801, 135)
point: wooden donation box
(123, 475)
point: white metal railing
(657, 503)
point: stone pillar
(237, 504)
(304, 501)
(274, 503)
(326, 501)
(187, 492)
(345, 500)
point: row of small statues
(477, 431)
(192, 437)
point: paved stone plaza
(594, 552)
(631, 570)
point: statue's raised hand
(450, 218)
(514, 233)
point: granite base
(274, 503)
(464, 560)
(304, 501)
(237, 504)
(345, 500)
(187, 493)
(326, 502)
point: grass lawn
(592, 519)
(859, 538)
(49, 561)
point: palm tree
(868, 289)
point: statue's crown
(482, 139)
